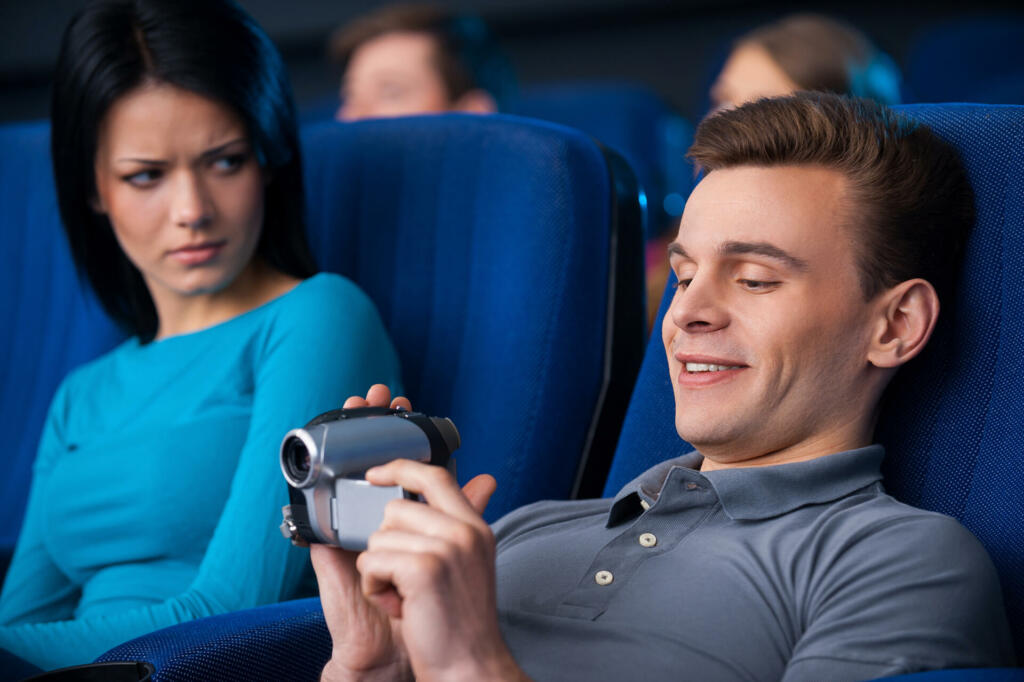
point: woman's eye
(683, 283)
(143, 178)
(229, 163)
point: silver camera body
(325, 465)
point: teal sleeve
(318, 352)
(35, 589)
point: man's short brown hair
(467, 58)
(912, 205)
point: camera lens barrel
(299, 458)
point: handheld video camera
(325, 465)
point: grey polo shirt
(805, 571)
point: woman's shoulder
(99, 369)
(327, 287)
(326, 298)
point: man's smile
(699, 371)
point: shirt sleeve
(910, 594)
(320, 350)
(35, 589)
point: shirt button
(648, 540)
(692, 486)
(645, 504)
(603, 577)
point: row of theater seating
(505, 255)
(977, 59)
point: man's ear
(475, 102)
(905, 317)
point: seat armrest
(964, 675)
(286, 641)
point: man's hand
(430, 567)
(366, 645)
(420, 601)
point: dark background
(671, 46)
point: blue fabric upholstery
(961, 60)
(485, 243)
(287, 641)
(482, 289)
(634, 121)
(952, 422)
(51, 321)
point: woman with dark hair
(157, 492)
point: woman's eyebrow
(215, 151)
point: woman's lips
(197, 255)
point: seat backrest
(51, 322)
(636, 122)
(486, 245)
(505, 258)
(951, 423)
(961, 59)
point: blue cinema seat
(505, 256)
(51, 322)
(634, 121)
(952, 423)
(979, 58)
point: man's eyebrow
(674, 249)
(763, 249)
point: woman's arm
(35, 589)
(320, 350)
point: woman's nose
(191, 206)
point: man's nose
(699, 307)
(191, 206)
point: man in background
(405, 60)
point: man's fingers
(435, 484)
(377, 579)
(379, 395)
(391, 539)
(479, 490)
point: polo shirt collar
(749, 493)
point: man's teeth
(701, 367)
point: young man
(417, 59)
(811, 260)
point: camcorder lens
(297, 459)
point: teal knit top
(157, 492)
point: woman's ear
(905, 317)
(96, 204)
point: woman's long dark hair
(209, 47)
